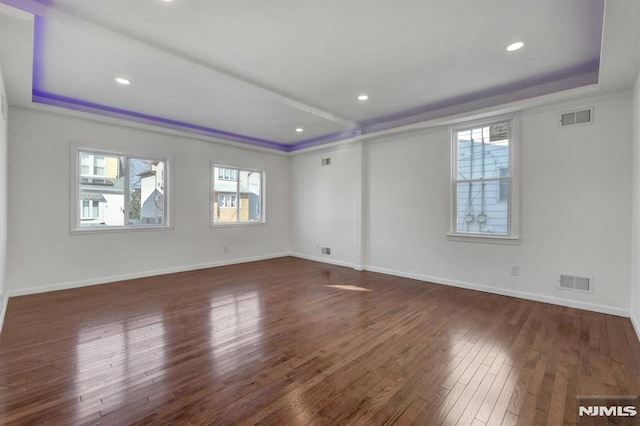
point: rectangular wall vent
(326, 161)
(576, 118)
(574, 282)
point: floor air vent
(572, 282)
(576, 118)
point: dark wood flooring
(288, 341)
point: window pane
(146, 192)
(108, 188)
(237, 196)
(478, 208)
(250, 196)
(482, 151)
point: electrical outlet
(326, 250)
(515, 270)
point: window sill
(235, 225)
(106, 230)
(488, 239)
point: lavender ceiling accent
(85, 106)
(38, 36)
(324, 139)
(44, 97)
(572, 78)
(27, 5)
(578, 76)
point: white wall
(323, 205)
(4, 111)
(44, 255)
(635, 230)
(575, 215)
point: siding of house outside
(249, 197)
(230, 214)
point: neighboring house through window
(226, 200)
(93, 165)
(227, 174)
(116, 190)
(237, 195)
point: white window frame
(212, 190)
(513, 205)
(76, 203)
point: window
(482, 187)
(90, 209)
(237, 196)
(226, 200)
(227, 174)
(119, 191)
(92, 165)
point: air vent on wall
(576, 118)
(326, 161)
(574, 282)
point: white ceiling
(257, 70)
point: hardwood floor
(288, 341)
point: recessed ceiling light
(363, 97)
(515, 46)
(299, 129)
(121, 80)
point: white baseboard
(636, 324)
(506, 292)
(5, 303)
(322, 260)
(114, 278)
(436, 280)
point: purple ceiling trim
(324, 139)
(578, 76)
(85, 106)
(581, 75)
(44, 97)
(38, 41)
(27, 6)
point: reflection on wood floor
(289, 341)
